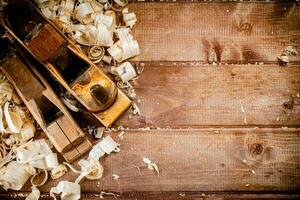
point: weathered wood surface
(201, 160)
(221, 32)
(193, 94)
(190, 96)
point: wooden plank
(200, 160)
(164, 196)
(180, 95)
(221, 32)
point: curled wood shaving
(140, 68)
(37, 154)
(90, 169)
(58, 171)
(126, 47)
(13, 119)
(287, 53)
(106, 145)
(291, 51)
(96, 54)
(129, 18)
(107, 59)
(102, 194)
(7, 158)
(121, 135)
(99, 132)
(151, 165)
(283, 58)
(34, 195)
(135, 109)
(126, 71)
(68, 190)
(43, 181)
(14, 175)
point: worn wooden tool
(45, 106)
(74, 71)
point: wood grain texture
(200, 160)
(220, 32)
(181, 95)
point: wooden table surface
(203, 61)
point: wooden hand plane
(44, 105)
(67, 64)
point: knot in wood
(256, 148)
(288, 105)
(245, 27)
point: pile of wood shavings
(94, 24)
(91, 24)
(21, 158)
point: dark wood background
(203, 60)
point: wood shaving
(102, 194)
(115, 176)
(287, 53)
(43, 181)
(126, 71)
(34, 195)
(291, 51)
(107, 59)
(106, 145)
(140, 68)
(126, 47)
(99, 132)
(37, 154)
(182, 194)
(135, 109)
(127, 88)
(145, 129)
(13, 119)
(58, 171)
(121, 135)
(14, 175)
(137, 167)
(129, 18)
(68, 190)
(90, 169)
(242, 109)
(151, 165)
(96, 54)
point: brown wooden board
(183, 95)
(167, 196)
(200, 160)
(226, 32)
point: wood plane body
(67, 64)
(46, 108)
